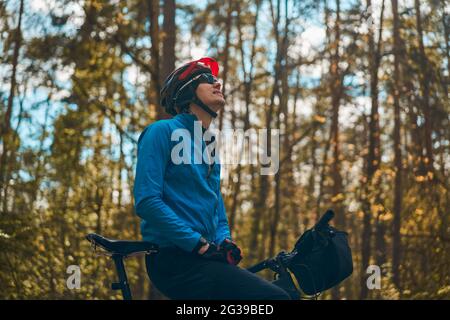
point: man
(180, 203)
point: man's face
(211, 95)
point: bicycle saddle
(122, 247)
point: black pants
(181, 275)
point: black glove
(212, 253)
(231, 252)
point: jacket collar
(188, 120)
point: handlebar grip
(325, 219)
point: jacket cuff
(189, 244)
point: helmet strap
(198, 102)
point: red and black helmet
(179, 87)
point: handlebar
(259, 266)
(325, 219)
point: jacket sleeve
(223, 229)
(153, 156)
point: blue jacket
(177, 203)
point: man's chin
(219, 105)
(222, 103)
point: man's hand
(227, 251)
(231, 251)
(209, 251)
(213, 253)
(203, 249)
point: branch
(296, 141)
(105, 110)
(268, 73)
(132, 55)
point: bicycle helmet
(179, 87)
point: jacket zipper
(207, 181)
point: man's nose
(217, 85)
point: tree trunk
(6, 135)
(283, 98)
(226, 52)
(248, 77)
(425, 91)
(336, 92)
(168, 49)
(168, 39)
(396, 245)
(372, 188)
(447, 48)
(155, 77)
(260, 204)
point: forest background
(358, 89)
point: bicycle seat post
(123, 280)
(119, 250)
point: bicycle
(281, 264)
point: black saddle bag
(322, 260)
